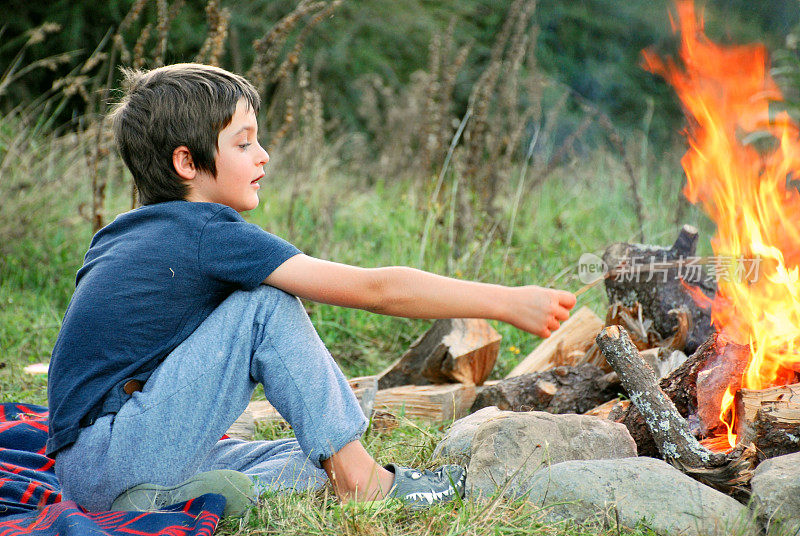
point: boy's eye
(244, 145)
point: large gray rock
(457, 442)
(776, 493)
(510, 446)
(636, 490)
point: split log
(723, 370)
(37, 368)
(563, 389)
(770, 418)
(594, 356)
(453, 350)
(777, 429)
(641, 329)
(244, 428)
(681, 387)
(365, 388)
(663, 360)
(651, 275)
(431, 403)
(261, 412)
(565, 346)
(728, 473)
(607, 409)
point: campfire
(742, 186)
(739, 391)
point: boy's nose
(263, 158)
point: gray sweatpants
(171, 429)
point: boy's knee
(275, 296)
(265, 300)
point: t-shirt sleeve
(235, 251)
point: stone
(457, 442)
(776, 493)
(635, 490)
(509, 447)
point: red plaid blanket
(30, 501)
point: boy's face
(240, 163)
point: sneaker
(236, 487)
(420, 489)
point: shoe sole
(236, 487)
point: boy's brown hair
(164, 108)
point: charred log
(651, 276)
(722, 371)
(563, 389)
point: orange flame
(697, 295)
(740, 167)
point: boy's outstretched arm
(412, 293)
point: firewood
(663, 360)
(676, 443)
(770, 418)
(452, 350)
(432, 403)
(261, 412)
(365, 388)
(606, 409)
(722, 371)
(681, 387)
(563, 389)
(777, 429)
(651, 275)
(642, 330)
(37, 368)
(573, 337)
(244, 427)
(594, 356)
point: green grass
(341, 217)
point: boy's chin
(248, 206)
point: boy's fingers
(567, 299)
(544, 334)
(562, 314)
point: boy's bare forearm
(413, 293)
(402, 291)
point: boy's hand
(538, 310)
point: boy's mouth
(256, 180)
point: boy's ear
(183, 163)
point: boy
(181, 308)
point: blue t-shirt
(148, 281)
